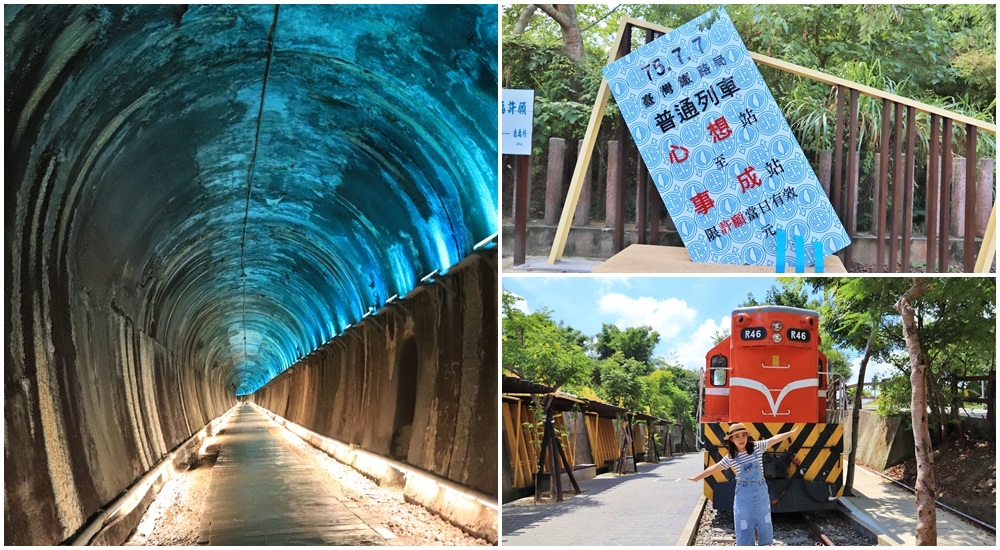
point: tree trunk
(565, 15)
(856, 412)
(926, 484)
(524, 18)
(936, 404)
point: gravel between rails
(716, 529)
(175, 515)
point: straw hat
(735, 429)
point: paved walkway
(894, 510)
(264, 493)
(645, 509)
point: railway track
(828, 528)
(965, 517)
(817, 531)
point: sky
(685, 311)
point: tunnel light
(423, 484)
(488, 242)
(429, 276)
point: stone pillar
(878, 210)
(582, 215)
(825, 171)
(984, 192)
(958, 197)
(614, 180)
(851, 190)
(554, 180)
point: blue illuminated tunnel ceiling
(244, 182)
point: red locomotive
(770, 375)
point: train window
(719, 366)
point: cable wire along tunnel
(294, 205)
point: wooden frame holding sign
(517, 108)
(722, 156)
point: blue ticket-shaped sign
(718, 148)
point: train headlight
(776, 337)
(776, 326)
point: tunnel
(291, 205)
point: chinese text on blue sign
(722, 155)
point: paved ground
(540, 264)
(264, 493)
(644, 509)
(894, 510)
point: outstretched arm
(711, 470)
(780, 437)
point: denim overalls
(752, 505)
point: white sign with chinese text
(718, 148)
(516, 108)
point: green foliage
(956, 325)
(672, 392)
(634, 342)
(893, 395)
(626, 373)
(565, 91)
(537, 349)
(941, 54)
(622, 382)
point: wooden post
(553, 441)
(969, 242)
(991, 406)
(554, 178)
(614, 182)
(522, 173)
(582, 215)
(641, 194)
(825, 172)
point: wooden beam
(825, 78)
(988, 249)
(583, 159)
(604, 92)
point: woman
(751, 504)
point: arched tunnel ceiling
(355, 145)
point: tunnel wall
(91, 404)
(357, 389)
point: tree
(633, 342)
(622, 381)
(926, 486)
(565, 16)
(870, 320)
(535, 348)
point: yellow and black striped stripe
(818, 448)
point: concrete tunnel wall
(435, 406)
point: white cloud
(522, 304)
(691, 354)
(667, 317)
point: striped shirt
(744, 460)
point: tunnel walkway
(265, 493)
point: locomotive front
(770, 375)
